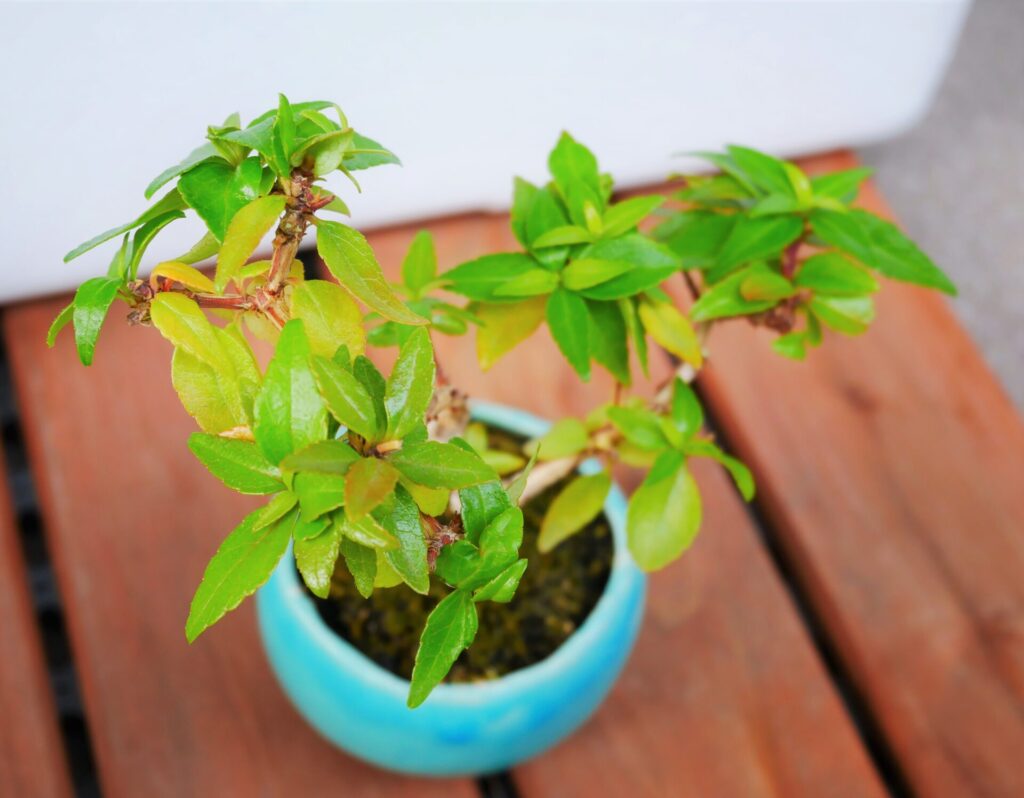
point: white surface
(99, 98)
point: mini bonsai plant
(386, 476)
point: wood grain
(892, 470)
(131, 519)
(32, 759)
(724, 695)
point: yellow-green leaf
(330, 316)
(368, 483)
(188, 276)
(671, 330)
(244, 234)
(504, 326)
(572, 509)
(664, 513)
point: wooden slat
(892, 468)
(31, 756)
(724, 695)
(131, 519)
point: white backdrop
(99, 98)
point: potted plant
(407, 535)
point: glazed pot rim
(621, 581)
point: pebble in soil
(556, 594)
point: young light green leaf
(59, 323)
(664, 513)
(764, 171)
(238, 464)
(639, 425)
(362, 564)
(289, 413)
(450, 628)
(672, 330)
(479, 279)
(347, 398)
(696, 236)
(323, 457)
(523, 195)
(686, 411)
(194, 158)
(623, 216)
(567, 436)
(518, 485)
(764, 284)
(243, 562)
(410, 385)
(563, 236)
(570, 162)
(243, 234)
(316, 557)
(503, 326)
(367, 531)
(367, 483)
(737, 470)
(582, 273)
(533, 282)
(92, 302)
(568, 322)
(724, 299)
(351, 260)
(848, 315)
(576, 506)
(207, 395)
(441, 465)
(318, 493)
(842, 186)
(420, 265)
(330, 317)
(651, 264)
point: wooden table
(859, 632)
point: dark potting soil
(557, 592)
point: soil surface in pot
(557, 592)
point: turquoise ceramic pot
(461, 729)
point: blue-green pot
(461, 729)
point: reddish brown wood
(131, 519)
(724, 695)
(31, 755)
(892, 467)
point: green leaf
(347, 399)
(243, 234)
(289, 412)
(842, 186)
(762, 283)
(142, 239)
(217, 191)
(672, 330)
(651, 263)
(401, 517)
(323, 457)
(608, 338)
(367, 531)
(362, 564)
(724, 299)
(569, 325)
(180, 320)
(280, 505)
(243, 562)
(351, 260)
(502, 588)
(686, 411)
(584, 273)
(563, 236)
(832, 274)
(172, 201)
(367, 153)
(59, 323)
(628, 307)
(546, 214)
(848, 315)
(92, 302)
(410, 386)
(737, 470)
(792, 345)
(316, 558)
(205, 247)
(441, 465)
(373, 381)
(481, 505)
(504, 326)
(534, 282)
(881, 246)
(502, 462)
(570, 163)
(799, 183)
(206, 394)
(523, 195)
(696, 236)
(318, 493)
(567, 436)
(420, 265)
(752, 239)
(367, 483)
(664, 513)
(194, 158)
(479, 279)
(450, 628)
(623, 216)
(640, 426)
(577, 505)
(764, 171)
(774, 205)
(238, 464)
(330, 317)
